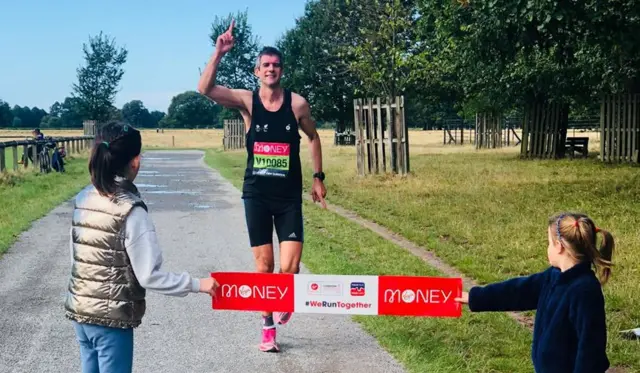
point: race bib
(271, 159)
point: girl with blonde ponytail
(570, 333)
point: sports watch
(319, 175)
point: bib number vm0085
(271, 159)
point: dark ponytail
(116, 145)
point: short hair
(269, 51)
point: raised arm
(231, 98)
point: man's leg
(289, 227)
(260, 226)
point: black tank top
(273, 153)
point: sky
(41, 43)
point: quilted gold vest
(103, 288)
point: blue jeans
(104, 349)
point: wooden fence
(234, 134)
(544, 130)
(89, 127)
(75, 144)
(495, 131)
(488, 130)
(373, 119)
(453, 131)
(620, 128)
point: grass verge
(29, 195)
(335, 245)
(486, 214)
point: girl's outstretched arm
(516, 294)
(144, 252)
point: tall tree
(6, 116)
(98, 81)
(156, 117)
(70, 112)
(136, 114)
(237, 68)
(378, 37)
(314, 67)
(191, 110)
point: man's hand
(318, 192)
(225, 42)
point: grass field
(485, 213)
(27, 196)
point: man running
(272, 189)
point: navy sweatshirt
(570, 333)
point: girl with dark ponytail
(116, 256)
(116, 153)
(570, 332)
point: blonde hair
(578, 234)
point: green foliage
(451, 57)
(21, 116)
(98, 81)
(191, 110)
(139, 116)
(313, 66)
(379, 38)
(6, 116)
(236, 70)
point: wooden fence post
(373, 118)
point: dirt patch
(618, 370)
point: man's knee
(293, 268)
(290, 254)
(264, 266)
(264, 258)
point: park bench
(344, 138)
(577, 144)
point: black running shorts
(263, 214)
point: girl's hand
(209, 285)
(464, 298)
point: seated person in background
(38, 136)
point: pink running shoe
(269, 343)
(282, 318)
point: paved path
(200, 222)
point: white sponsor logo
(324, 288)
(418, 296)
(268, 292)
(274, 149)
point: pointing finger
(322, 202)
(233, 22)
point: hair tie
(106, 144)
(577, 222)
(598, 230)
